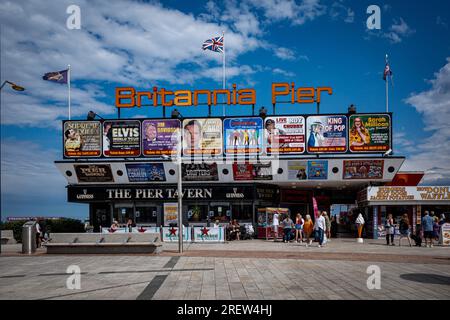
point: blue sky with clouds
(152, 43)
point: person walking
(287, 228)
(334, 226)
(319, 228)
(436, 228)
(404, 230)
(38, 234)
(389, 228)
(275, 224)
(327, 225)
(427, 227)
(299, 228)
(308, 229)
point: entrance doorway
(123, 212)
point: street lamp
(176, 114)
(13, 86)
(180, 193)
(262, 112)
(91, 116)
(352, 109)
(16, 88)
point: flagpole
(224, 77)
(68, 85)
(387, 87)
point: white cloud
(28, 169)
(399, 30)
(432, 154)
(284, 53)
(441, 22)
(283, 72)
(134, 43)
(396, 33)
(339, 11)
(296, 13)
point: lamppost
(180, 196)
(16, 88)
(180, 191)
(13, 86)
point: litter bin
(29, 237)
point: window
(242, 212)
(146, 214)
(197, 212)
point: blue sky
(148, 43)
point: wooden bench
(7, 237)
(92, 243)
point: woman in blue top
(299, 228)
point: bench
(7, 237)
(93, 243)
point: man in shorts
(427, 227)
(275, 224)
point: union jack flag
(387, 71)
(214, 44)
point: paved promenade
(239, 270)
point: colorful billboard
(252, 171)
(284, 135)
(297, 170)
(170, 213)
(369, 133)
(82, 139)
(327, 134)
(243, 135)
(121, 138)
(93, 173)
(363, 169)
(159, 137)
(145, 172)
(199, 172)
(202, 137)
(318, 170)
(307, 170)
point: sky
(158, 43)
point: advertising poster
(297, 170)
(159, 137)
(369, 133)
(202, 137)
(170, 234)
(82, 139)
(199, 172)
(204, 234)
(284, 135)
(326, 134)
(363, 169)
(252, 171)
(318, 170)
(445, 234)
(243, 135)
(93, 173)
(121, 138)
(170, 213)
(144, 172)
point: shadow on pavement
(426, 278)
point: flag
(214, 44)
(387, 71)
(58, 76)
(315, 208)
